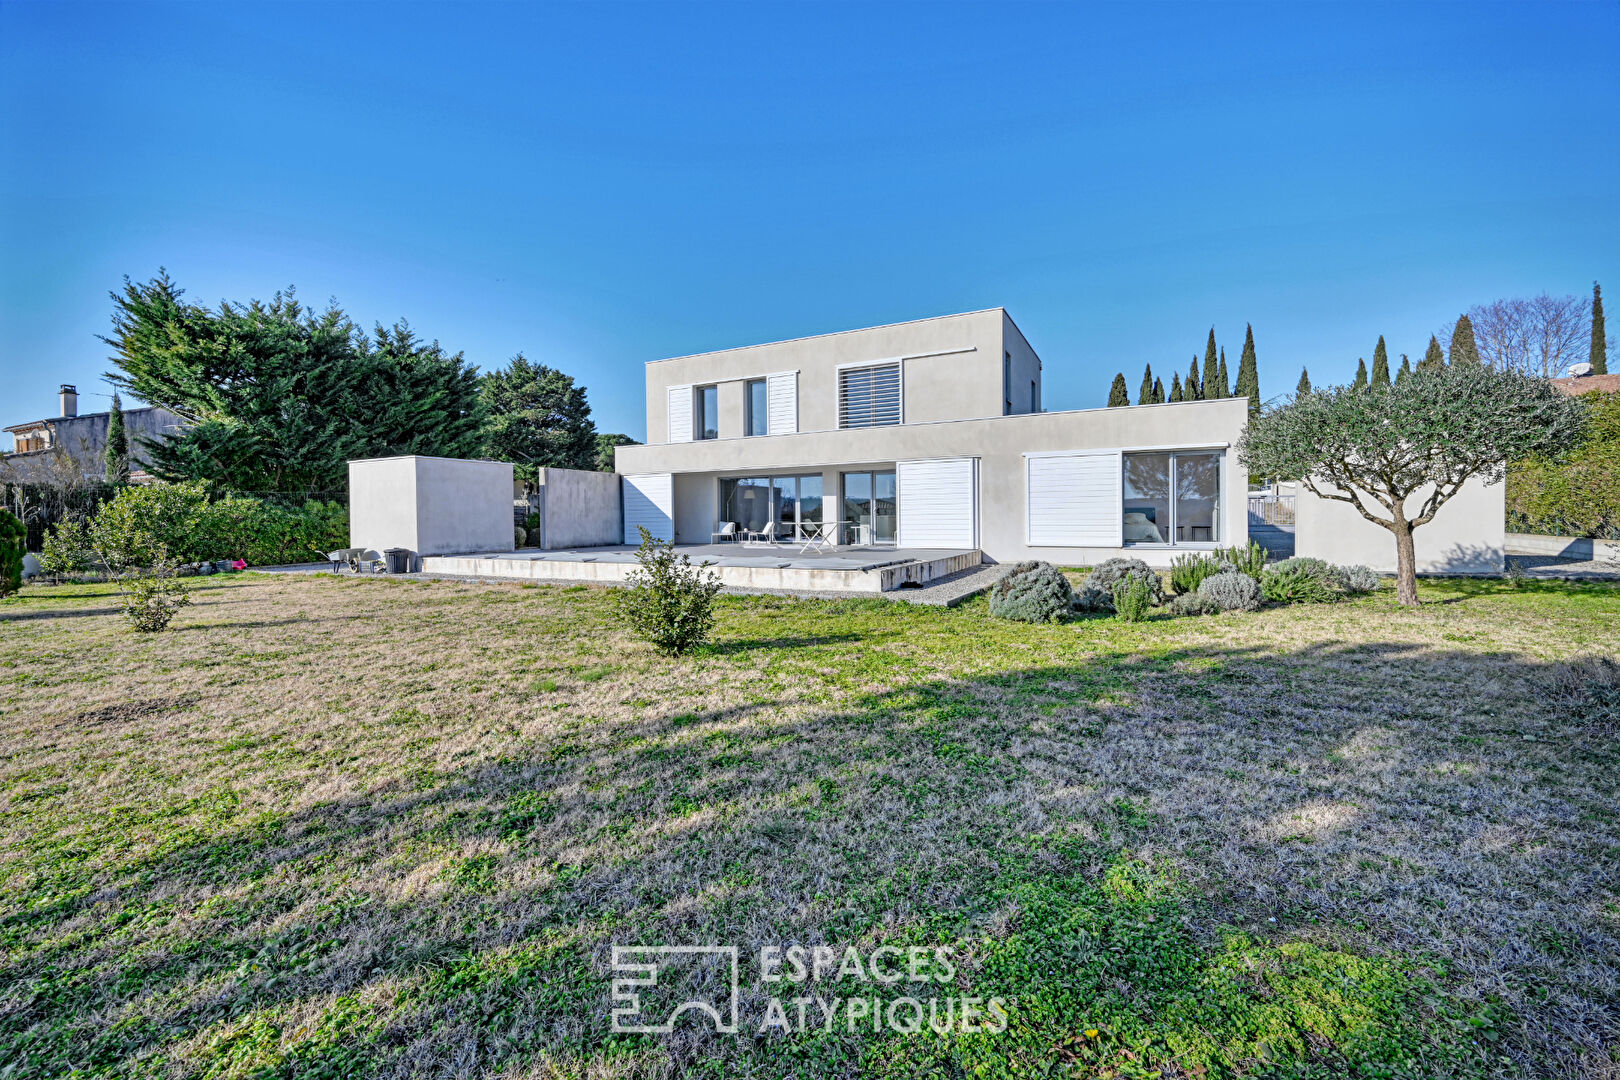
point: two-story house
(926, 434)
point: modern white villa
(865, 461)
(925, 435)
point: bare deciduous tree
(1538, 335)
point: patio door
(870, 508)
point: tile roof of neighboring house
(1585, 384)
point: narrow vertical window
(758, 400)
(708, 407)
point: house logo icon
(705, 974)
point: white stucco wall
(1466, 536)
(999, 443)
(579, 509)
(430, 505)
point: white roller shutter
(649, 501)
(782, 393)
(1074, 500)
(939, 503)
(680, 413)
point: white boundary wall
(1466, 536)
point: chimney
(70, 400)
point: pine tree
(1222, 384)
(1144, 394)
(1194, 389)
(1304, 386)
(1209, 386)
(1118, 394)
(1248, 380)
(1600, 343)
(1158, 391)
(1380, 368)
(1432, 357)
(1175, 387)
(1361, 375)
(1463, 348)
(1406, 369)
(116, 455)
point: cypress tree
(1304, 386)
(1158, 391)
(116, 455)
(1463, 348)
(1118, 394)
(1433, 357)
(1209, 385)
(1380, 370)
(1144, 394)
(1406, 369)
(1600, 342)
(1248, 380)
(1175, 387)
(1194, 389)
(1223, 385)
(1361, 376)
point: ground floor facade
(1072, 488)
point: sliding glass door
(792, 502)
(1172, 498)
(871, 509)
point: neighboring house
(927, 434)
(83, 439)
(1587, 383)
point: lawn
(336, 827)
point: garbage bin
(399, 560)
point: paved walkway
(1551, 567)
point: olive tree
(1399, 453)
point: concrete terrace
(781, 567)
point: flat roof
(836, 333)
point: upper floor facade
(955, 367)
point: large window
(869, 507)
(1173, 498)
(869, 396)
(708, 412)
(792, 502)
(759, 408)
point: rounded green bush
(1032, 592)
(1097, 591)
(1231, 590)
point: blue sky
(598, 185)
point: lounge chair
(723, 530)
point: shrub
(1187, 572)
(13, 541)
(1192, 603)
(141, 524)
(1248, 560)
(1097, 591)
(66, 549)
(1231, 590)
(267, 534)
(1032, 592)
(669, 601)
(1302, 581)
(520, 537)
(152, 598)
(1132, 598)
(1359, 579)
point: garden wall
(1467, 536)
(578, 509)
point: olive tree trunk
(1405, 560)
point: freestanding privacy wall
(431, 505)
(1465, 537)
